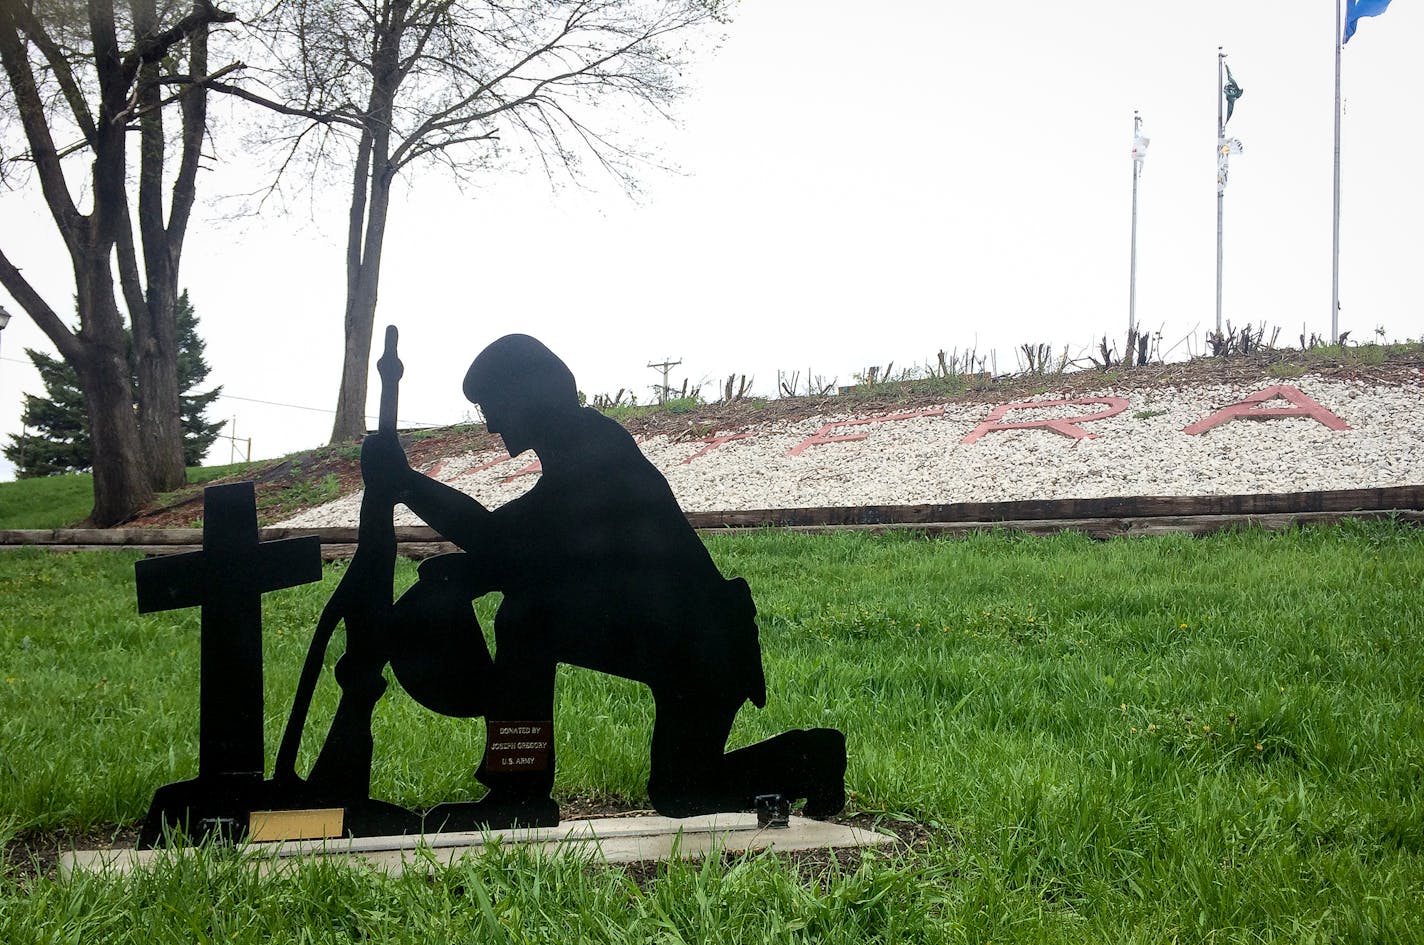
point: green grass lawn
(1155, 740)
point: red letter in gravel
(1245, 410)
(712, 443)
(823, 435)
(1068, 426)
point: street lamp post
(4, 318)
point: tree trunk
(355, 366)
(121, 484)
(155, 329)
(160, 420)
(120, 472)
(361, 321)
(370, 203)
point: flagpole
(1132, 267)
(1335, 225)
(1220, 190)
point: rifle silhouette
(362, 599)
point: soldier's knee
(673, 796)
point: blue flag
(1354, 9)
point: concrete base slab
(610, 840)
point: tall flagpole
(1335, 226)
(1220, 184)
(1132, 267)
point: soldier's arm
(455, 515)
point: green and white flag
(1232, 92)
(1225, 147)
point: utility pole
(233, 439)
(665, 366)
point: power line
(274, 403)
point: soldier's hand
(384, 467)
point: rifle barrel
(390, 369)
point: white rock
(922, 460)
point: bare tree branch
(190, 84)
(38, 309)
(423, 149)
(59, 64)
(37, 133)
(194, 110)
(154, 46)
(326, 118)
(130, 278)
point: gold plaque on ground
(316, 824)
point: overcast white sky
(860, 183)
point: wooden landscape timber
(1099, 518)
(1277, 503)
(1104, 528)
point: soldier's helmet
(518, 369)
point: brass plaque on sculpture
(518, 746)
(321, 824)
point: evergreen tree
(57, 438)
(198, 433)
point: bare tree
(94, 74)
(399, 82)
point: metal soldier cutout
(599, 569)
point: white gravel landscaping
(1138, 451)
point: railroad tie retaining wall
(1099, 518)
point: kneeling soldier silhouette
(600, 569)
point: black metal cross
(227, 580)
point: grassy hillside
(47, 502)
(63, 501)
